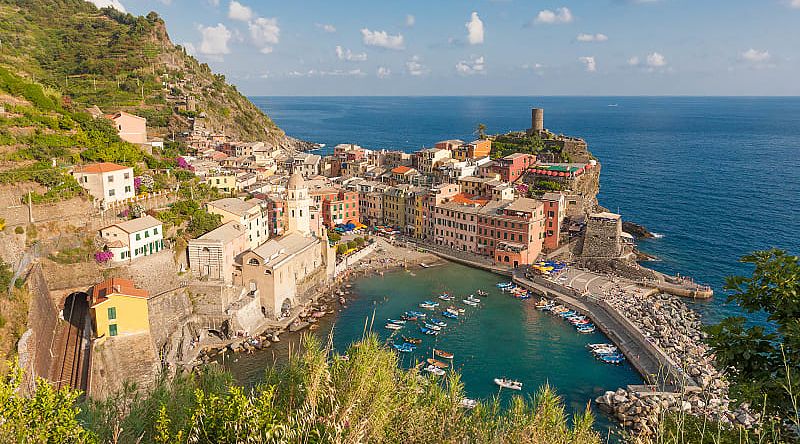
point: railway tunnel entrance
(73, 350)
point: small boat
(403, 348)
(504, 284)
(435, 370)
(508, 383)
(589, 328)
(432, 327)
(424, 265)
(481, 293)
(467, 403)
(436, 363)
(450, 315)
(428, 331)
(470, 303)
(416, 314)
(398, 322)
(438, 322)
(605, 351)
(456, 310)
(414, 341)
(408, 318)
(445, 297)
(434, 303)
(393, 326)
(442, 354)
(613, 359)
(473, 298)
(426, 305)
(604, 345)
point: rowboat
(414, 341)
(393, 326)
(435, 370)
(456, 310)
(470, 303)
(445, 297)
(508, 383)
(450, 315)
(589, 328)
(502, 285)
(415, 314)
(428, 331)
(436, 363)
(434, 303)
(432, 327)
(481, 293)
(442, 354)
(438, 322)
(473, 298)
(398, 322)
(613, 359)
(403, 348)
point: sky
(490, 47)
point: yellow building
(419, 221)
(224, 183)
(119, 308)
(394, 206)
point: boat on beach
(508, 383)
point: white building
(298, 203)
(106, 182)
(134, 238)
(249, 214)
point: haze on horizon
(491, 47)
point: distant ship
(613, 104)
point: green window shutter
(112, 313)
(112, 330)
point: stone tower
(297, 206)
(537, 120)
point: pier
(652, 363)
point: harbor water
(503, 337)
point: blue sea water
(717, 177)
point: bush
(359, 242)
(351, 245)
(19, 230)
(334, 236)
(341, 249)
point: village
(288, 229)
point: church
(284, 272)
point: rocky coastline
(669, 324)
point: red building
(511, 232)
(338, 206)
(554, 213)
(511, 167)
(276, 212)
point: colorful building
(512, 167)
(473, 150)
(119, 308)
(134, 238)
(455, 224)
(337, 206)
(555, 212)
(106, 182)
(511, 232)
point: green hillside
(84, 57)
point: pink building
(511, 232)
(554, 212)
(455, 223)
(511, 167)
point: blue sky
(491, 47)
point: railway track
(74, 371)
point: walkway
(654, 365)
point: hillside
(121, 62)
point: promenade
(575, 289)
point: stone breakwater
(670, 325)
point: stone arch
(76, 306)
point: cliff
(118, 61)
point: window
(112, 313)
(155, 230)
(138, 236)
(112, 330)
(127, 188)
(110, 192)
(110, 179)
(146, 234)
(127, 175)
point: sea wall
(354, 258)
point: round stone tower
(537, 120)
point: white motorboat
(435, 370)
(508, 383)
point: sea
(714, 177)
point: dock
(655, 367)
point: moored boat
(432, 327)
(428, 331)
(397, 321)
(415, 341)
(450, 315)
(438, 322)
(442, 354)
(435, 370)
(467, 403)
(437, 363)
(470, 303)
(508, 383)
(393, 326)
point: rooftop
(102, 291)
(401, 169)
(234, 205)
(276, 250)
(225, 233)
(524, 204)
(103, 167)
(605, 215)
(136, 225)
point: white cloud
(415, 68)
(474, 29)
(656, 60)
(756, 56)
(116, 4)
(350, 56)
(382, 39)
(592, 37)
(795, 4)
(214, 40)
(410, 20)
(238, 11)
(323, 73)
(383, 72)
(561, 15)
(326, 27)
(633, 61)
(476, 65)
(589, 63)
(264, 33)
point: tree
(763, 365)
(202, 222)
(341, 249)
(480, 130)
(334, 236)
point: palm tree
(481, 131)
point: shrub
(334, 236)
(19, 230)
(101, 257)
(341, 249)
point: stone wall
(354, 258)
(42, 323)
(603, 238)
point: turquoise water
(504, 337)
(716, 176)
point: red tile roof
(401, 169)
(469, 199)
(102, 291)
(103, 167)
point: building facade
(134, 238)
(213, 255)
(106, 182)
(118, 308)
(249, 214)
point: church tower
(298, 206)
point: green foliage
(548, 185)
(764, 365)
(677, 428)
(351, 245)
(49, 415)
(19, 230)
(359, 242)
(511, 143)
(334, 236)
(5, 276)
(341, 249)
(29, 91)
